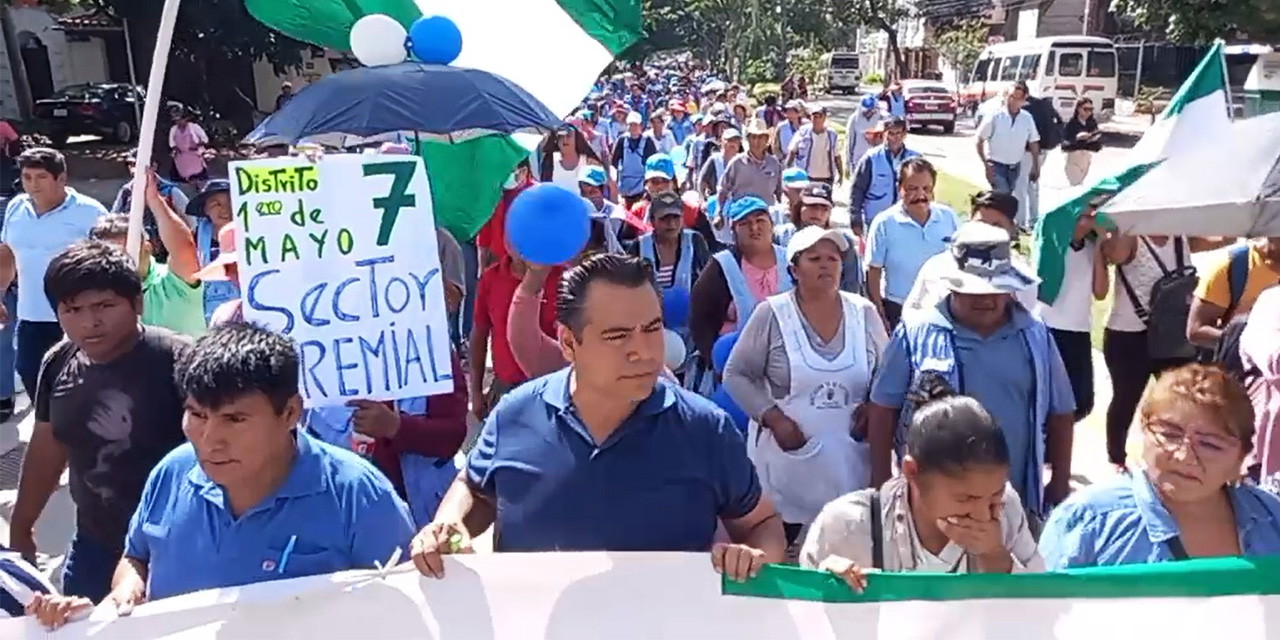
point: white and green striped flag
(1198, 115)
(555, 49)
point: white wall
(41, 24)
(86, 61)
(267, 82)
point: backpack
(1048, 123)
(1227, 352)
(1170, 305)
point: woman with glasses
(1188, 501)
(1080, 140)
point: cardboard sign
(341, 255)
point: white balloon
(675, 350)
(377, 40)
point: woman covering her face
(951, 511)
(1188, 501)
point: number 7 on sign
(399, 197)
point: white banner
(641, 596)
(341, 255)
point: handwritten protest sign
(341, 255)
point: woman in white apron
(802, 366)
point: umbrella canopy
(1227, 187)
(433, 102)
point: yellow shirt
(1215, 284)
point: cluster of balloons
(377, 40)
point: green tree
(961, 43)
(1200, 21)
(884, 15)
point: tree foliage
(750, 38)
(210, 29)
(1200, 21)
(961, 43)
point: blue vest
(684, 268)
(897, 106)
(426, 479)
(681, 129)
(931, 348)
(806, 145)
(882, 192)
(217, 292)
(742, 297)
(631, 171)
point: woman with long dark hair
(1080, 140)
(563, 153)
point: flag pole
(1226, 78)
(147, 130)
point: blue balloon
(675, 307)
(435, 40)
(548, 224)
(712, 205)
(679, 156)
(723, 400)
(721, 349)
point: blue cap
(659, 165)
(869, 101)
(743, 207)
(593, 175)
(795, 177)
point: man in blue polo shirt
(250, 498)
(605, 455)
(40, 223)
(904, 237)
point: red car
(929, 103)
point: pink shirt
(1260, 349)
(762, 283)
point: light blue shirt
(340, 512)
(997, 372)
(900, 245)
(1123, 521)
(36, 239)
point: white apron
(822, 400)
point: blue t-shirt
(340, 512)
(36, 239)
(658, 483)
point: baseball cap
(730, 133)
(869, 101)
(634, 118)
(983, 263)
(795, 177)
(593, 175)
(817, 108)
(659, 165)
(816, 193)
(667, 203)
(743, 207)
(811, 235)
(794, 104)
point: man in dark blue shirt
(605, 455)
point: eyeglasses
(1172, 437)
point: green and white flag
(555, 49)
(1198, 114)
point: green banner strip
(1192, 578)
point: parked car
(929, 103)
(102, 109)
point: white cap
(634, 118)
(809, 236)
(983, 262)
